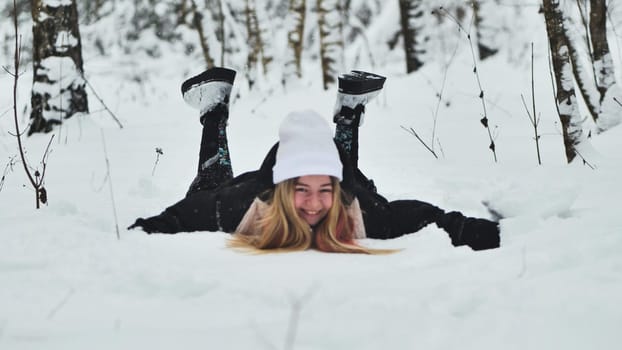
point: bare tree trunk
(254, 42)
(604, 73)
(182, 11)
(264, 38)
(295, 33)
(582, 75)
(603, 64)
(237, 40)
(331, 43)
(220, 34)
(485, 47)
(58, 90)
(410, 13)
(197, 23)
(565, 96)
(91, 9)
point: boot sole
(359, 82)
(212, 74)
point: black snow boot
(355, 90)
(209, 92)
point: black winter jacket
(222, 209)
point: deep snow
(68, 283)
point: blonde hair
(282, 230)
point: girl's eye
(301, 189)
(327, 190)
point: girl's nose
(314, 202)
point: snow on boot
(209, 92)
(355, 90)
(208, 89)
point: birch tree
(603, 66)
(358, 16)
(486, 45)
(295, 24)
(234, 30)
(92, 9)
(582, 63)
(331, 39)
(565, 95)
(197, 24)
(254, 41)
(411, 13)
(58, 90)
(219, 18)
(591, 60)
(257, 42)
(265, 35)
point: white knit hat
(306, 147)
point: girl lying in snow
(308, 192)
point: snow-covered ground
(67, 282)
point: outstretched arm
(193, 213)
(385, 220)
(157, 224)
(220, 209)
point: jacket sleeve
(194, 213)
(386, 220)
(220, 209)
(397, 218)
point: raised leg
(355, 90)
(209, 92)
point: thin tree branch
(527, 110)
(588, 38)
(484, 120)
(583, 159)
(36, 183)
(21, 134)
(102, 101)
(159, 152)
(532, 116)
(414, 133)
(6, 69)
(7, 168)
(440, 95)
(114, 207)
(45, 156)
(297, 304)
(61, 304)
(534, 123)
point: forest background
(501, 109)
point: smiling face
(313, 197)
